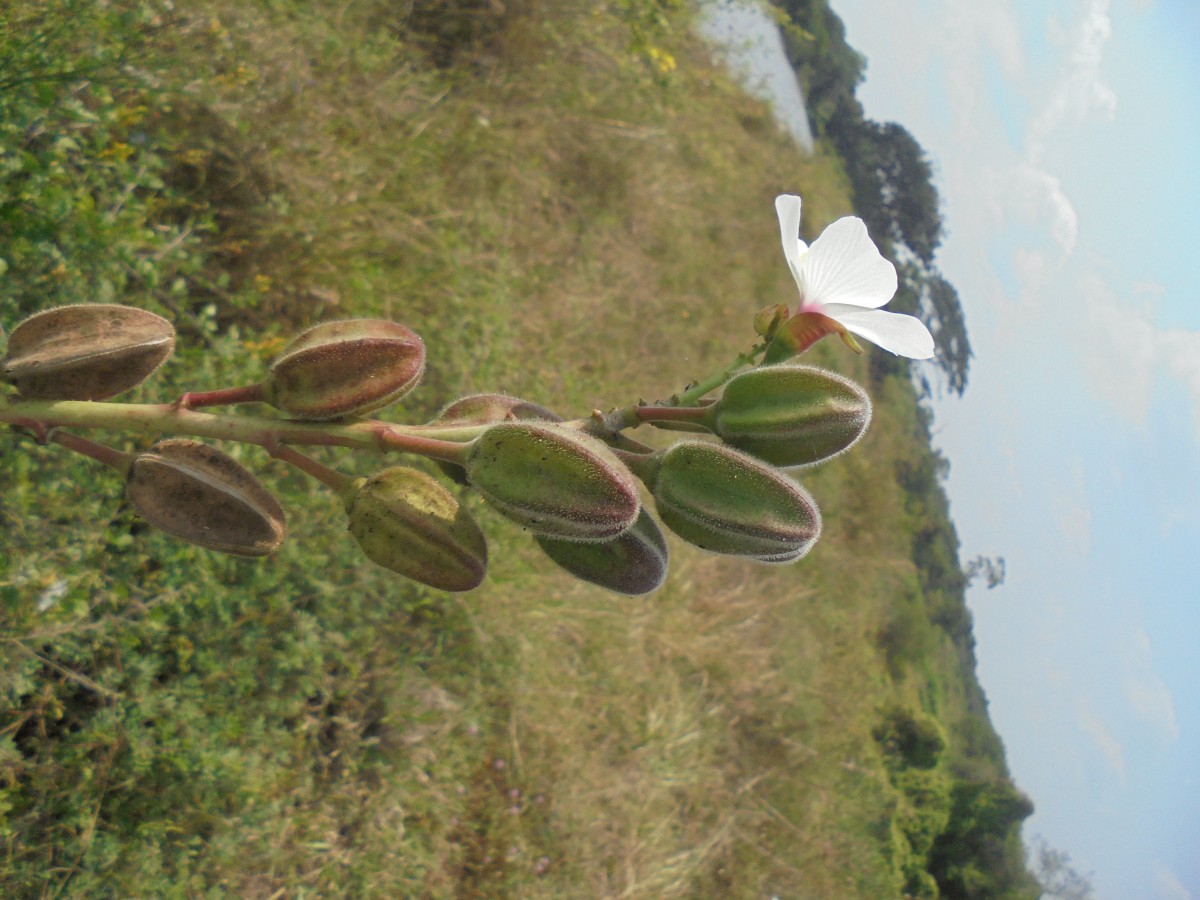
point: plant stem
(110, 456)
(249, 393)
(607, 425)
(331, 478)
(156, 418)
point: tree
(925, 293)
(992, 570)
(1057, 876)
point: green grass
(564, 217)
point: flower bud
(405, 521)
(86, 352)
(634, 563)
(728, 502)
(791, 415)
(204, 496)
(483, 409)
(553, 480)
(345, 368)
(768, 320)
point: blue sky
(1065, 136)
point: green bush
(910, 739)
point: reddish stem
(116, 459)
(331, 478)
(250, 393)
(693, 414)
(447, 451)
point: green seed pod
(553, 480)
(483, 409)
(791, 415)
(86, 352)
(728, 502)
(634, 563)
(204, 496)
(406, 521)
(345, 368)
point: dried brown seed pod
(345, 368)
(204, 496)
(87, 352)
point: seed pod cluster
(577, 494)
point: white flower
(843, 280)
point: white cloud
(1081, 93)
(1075, 523)
(1124, 352)
(1148, 696)
(1110, 748)
(1120, 350)
(1167, 884)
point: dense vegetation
(571, 203)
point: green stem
(607, 425)
(696, 392)
(155, 418)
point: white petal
(787, 207)
(901, 334)
(843, 266)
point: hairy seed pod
(553, 480)
(791, 415)
(405, 521)
(92, 351)
(634, 563)
(484, 409)
(206, 497)
(345, 368)
(726, 501)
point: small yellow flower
(117, 150)
(663, 60)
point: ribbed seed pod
(791, 415)
(726, 501)
(86, 352)
(553, 480)
(483, 409)
(634, 563)
(345, 368)
(206, 497)
(406, 521)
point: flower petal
(896, 332)
(787, 207)
(844, 266)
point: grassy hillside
(571, 203)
